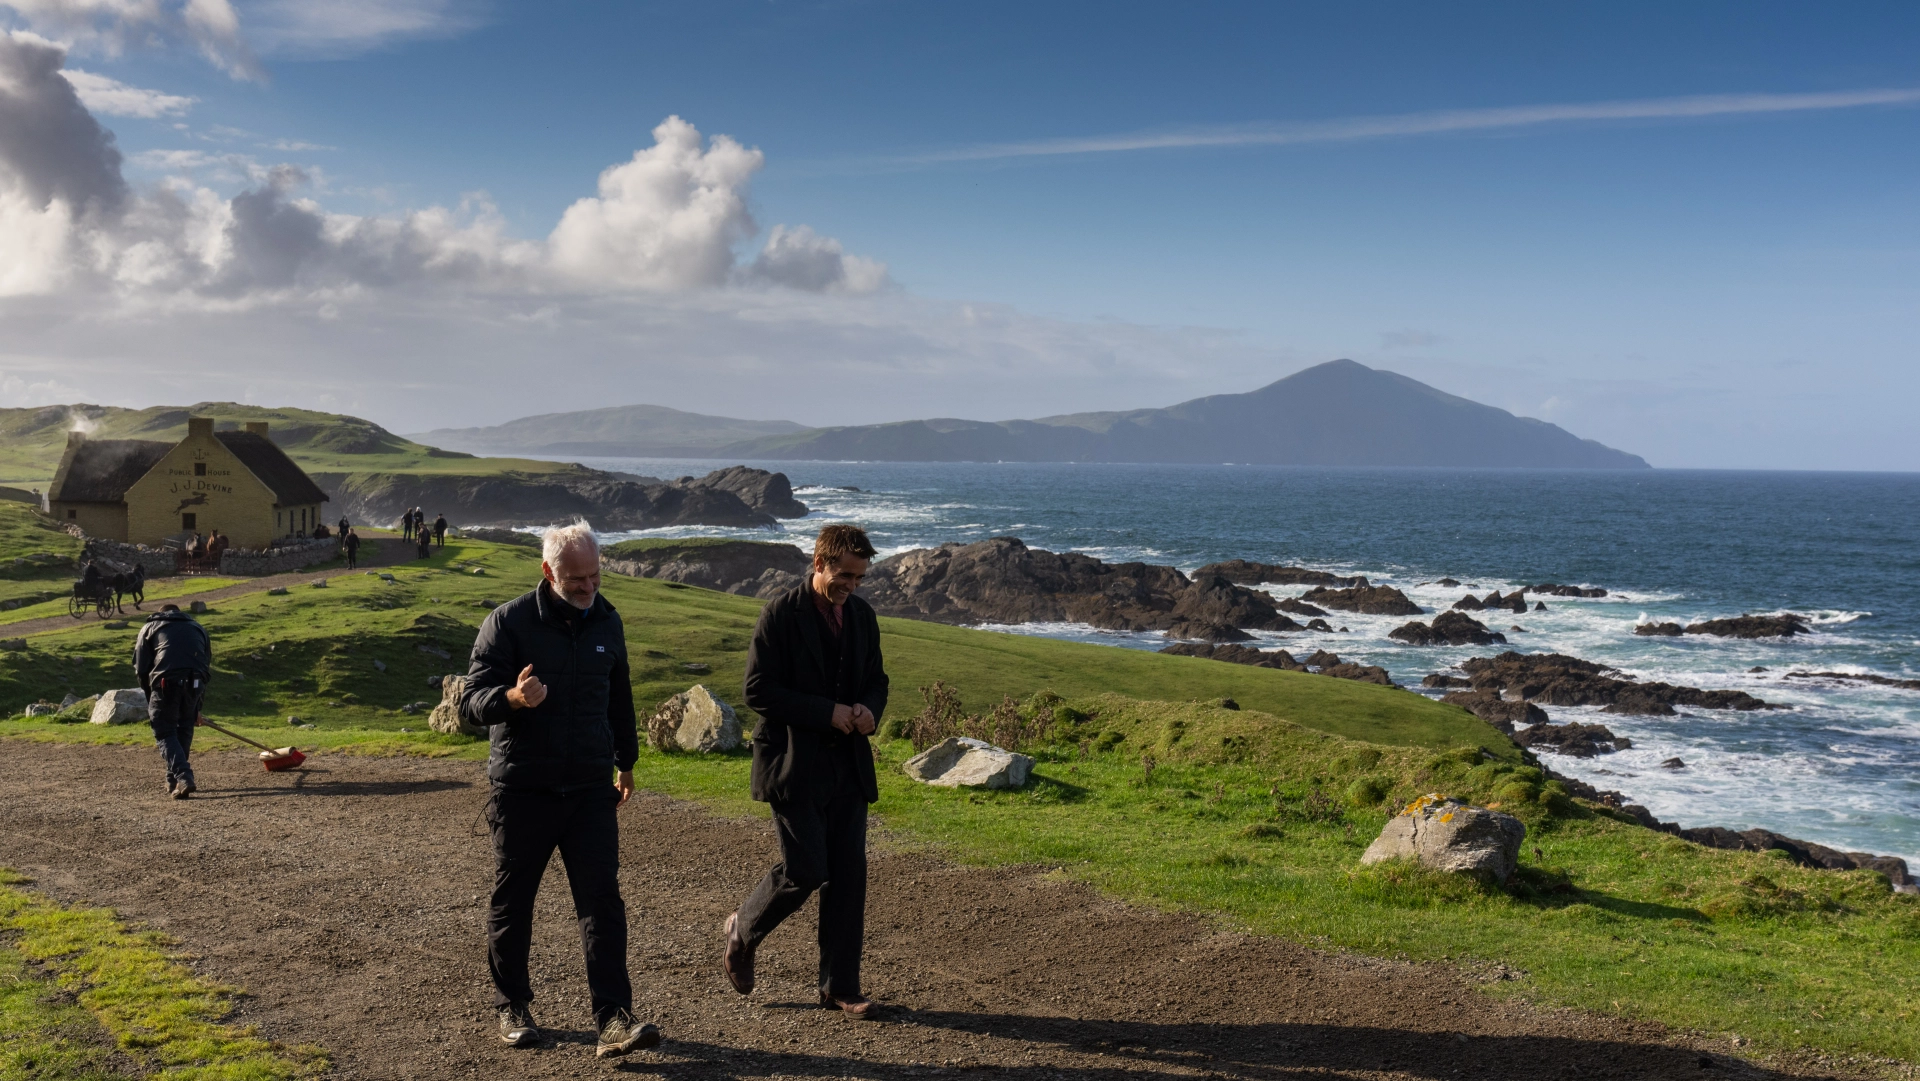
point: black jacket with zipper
(585, 728)
(171, 642)
(797, 753)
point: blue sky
(1720, 272)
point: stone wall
(289, 557)
(160, 562)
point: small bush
(1367, 791)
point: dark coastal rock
(1551, 589)
(1004, 581)
(748, 568)
(1540, 606)
(1576, 740)
(1321, 625)
(608, 501)
(1244, 572)
(1299, 607)
(1868, 677)
(1804, 853)
(1206, 631)
(1449, 628)
(1469, 603)
(1499, 712)
(1441, 679)
(1367, 600)
(1660, 630)
(1233, 654)
(1363, 673)
(1745, 626)
(770, 493)
(1673, 763)
(1448, 582)
(1557, 680)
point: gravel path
(347, 898)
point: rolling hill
(626, 431)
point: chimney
(76, 437)
(199, 427)
(258, 427)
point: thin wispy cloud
(1348, 129)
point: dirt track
(348, 900)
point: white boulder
(1447, 834)
(694, 720)
(120, 707)
(446, 717)
(960, 762)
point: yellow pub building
(146, 492)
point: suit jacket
(790, 686)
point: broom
(274, 758)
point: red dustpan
(274, 759)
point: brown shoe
(739, 958)
(860, 1009)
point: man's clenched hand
(862, 719)
(527, 693)
(843, 718)
(623, 783)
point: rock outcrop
(1659, 630)
(763, 491)
(695, 721)
(961, 762)
(1575, 740)
(1745, 626)
(748, 568)
(1299, 607)
(1235, 654)
(1449, 629)
(607, 500)
(1367, 600)
(1449, 835)
(446, 717)
(1857, 677)
(1804, 853)
(1247, 573)
(1004, 581)
(1557, 680)
(1550, 589)
(1512, 602)
(120, 707)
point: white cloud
(1347, 129)
(295, 146)
(669, 219)
(112, 97)
(348, 27)
(110, 27)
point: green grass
(626, 549)
(1257, 816)
(158, 590)
(107, 982)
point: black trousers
(527, 826)
(823, 846)
(173, 706)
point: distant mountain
(622, 431)
(1337, 414)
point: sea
(1841, 766)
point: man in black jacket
(815, 677)
(172, 658)
(549, 677)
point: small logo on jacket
(599, 649)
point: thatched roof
(264, 459)
(101, 470)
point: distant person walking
(440, 530)
(815, 677)
(549, 676)
(406, 524)
(419, 523)
(172, 658)
(350, 542)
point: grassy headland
(1256, 815)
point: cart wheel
(104, 607)
(76, 607)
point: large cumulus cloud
(671, 219)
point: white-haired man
(549, 678)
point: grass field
(1256, 815)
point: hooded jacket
(171, 642)
(585, 728)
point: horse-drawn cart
(105, 586)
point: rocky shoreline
(737, 497)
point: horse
(130, 584)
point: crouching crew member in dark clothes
(172, 658)
(815, 678)
(549, 677)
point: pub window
(199, 469)
(72, 513)
(189, 521)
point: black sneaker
(622, 1034)
(516, 1025)
(181, 790)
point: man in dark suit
(815, 678)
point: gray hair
(561, 538)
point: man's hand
(843, 719)
(863, 719)
(527, 693)
(623, 783)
